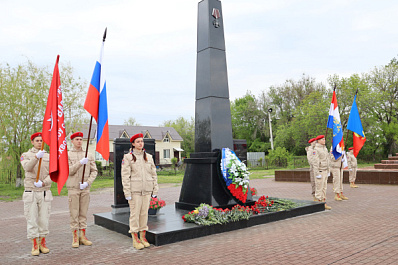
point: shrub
(99, 167)
(279, 157)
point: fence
(256, 159)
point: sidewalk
(362, 230)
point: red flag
(358, 142)
(54, 134)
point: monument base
(203, 183)
(168, 227)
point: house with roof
(167, 141)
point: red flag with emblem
(54, 133)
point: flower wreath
(235, 174)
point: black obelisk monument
(213, 130)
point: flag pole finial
(356, 92)
(334, 88)
(103, 39)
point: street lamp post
(270, 128)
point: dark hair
(134, 158)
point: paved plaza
(362, 230)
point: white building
(167, 141)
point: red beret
(135, 136)
(76, 134)
(319, 137)
(311, 140)
(351, 148)
(33, 136)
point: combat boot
(35, 248)
(337, 197)
(136, 242)
(83, 239)
(327, 207)
(143, 239)
(352, 185)
(42, 245)
(343, 197)
(75, 242)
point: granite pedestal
(168, 227)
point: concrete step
(389, 161)
(386, 166)
(393, 158)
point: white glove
(350, 169)
(38, 184)
(154, 196)
(328, 174)
(319, 176)
(128, 198)
(40, 154)
(84, 161)
(84, 185)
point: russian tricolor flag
(96, 105)
(335, 124)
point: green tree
(74, 91)
(310, 120)
(247, 121)
(383, 83)
(22, 105)
(131, 121)
(186, 129)
(285, 98)
(23, 97)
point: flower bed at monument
(207, 215)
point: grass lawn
(10, 192)
(366, 165)
(261, 173)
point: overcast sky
(150, 51)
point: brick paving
(362, 230)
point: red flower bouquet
(156, 203)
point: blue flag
(355, 125)
(354, 121)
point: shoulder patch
(123, 162)
(21, 158)
(314, 153)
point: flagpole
(88, 141)
(38, 170)
(91, 121)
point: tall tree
(131, 121)
(285, 98)
(23, 97)
(186, 129)
(383, 83)
(74, 91)
(247, 120)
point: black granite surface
(121, 146)
(168, 227)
